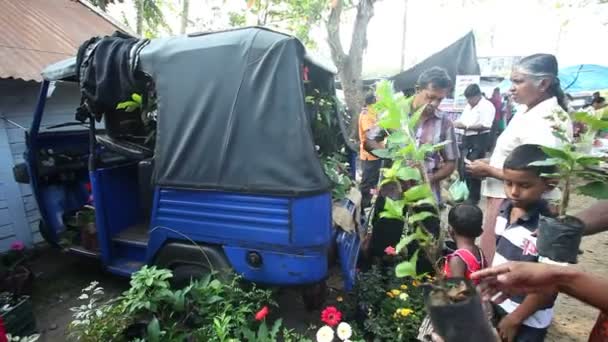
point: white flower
(325, 334)
(344, 331)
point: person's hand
(478, 168)
(515, 278)
(508, 327)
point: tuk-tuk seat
(124, 147)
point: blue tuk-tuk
(227, 177)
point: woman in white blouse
(534, 84)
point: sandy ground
(60, 277)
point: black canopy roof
(459, 58)
(231, 113)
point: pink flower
(262, 314)
(17, 246)
(390, 250)
(331, 316)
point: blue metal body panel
(116, 204)
(291, 234)
(348, 252)
(53, 200)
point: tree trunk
(139, 17)
(403, 36)
(185, 13)
(350, 66)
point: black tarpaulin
(460, 58)
(232, 114)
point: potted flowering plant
(577, 169)
(450, 302)
(15, 275)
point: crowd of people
(522, 289)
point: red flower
(331, 316)
(390, 250)
(262, 314)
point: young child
(465, 226)
(522, 318)
(465, 222)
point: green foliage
(206, 310)
(574, 163)
(297, 16)
(131, 105)
(408, 166)
(325, 126)
(336, 169)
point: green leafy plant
(577, 168)
(336, 169)
(131, 105)
(407, 158)
(205, 310)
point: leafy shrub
(206, 310)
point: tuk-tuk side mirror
(21, 174)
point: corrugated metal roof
(36, 33)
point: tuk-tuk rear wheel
(184, 274)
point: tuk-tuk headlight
(254, 259)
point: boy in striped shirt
(522, 318)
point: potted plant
(17, 314)
(579, 170)
(15, 275)
(454, 306)
(88, 230)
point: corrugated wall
(19, 216)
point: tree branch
(365, 11)
(333, 35)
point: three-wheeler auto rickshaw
(232, 179)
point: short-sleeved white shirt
(534, 126)
(482, 114)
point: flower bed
(384, 307)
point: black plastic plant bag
(464, 321)
(559, 239)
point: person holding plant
(534, 84)
(370, 164)
(433, 128)
(523, 318)
(521, 278)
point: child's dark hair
(466, 220)
(522, 156)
